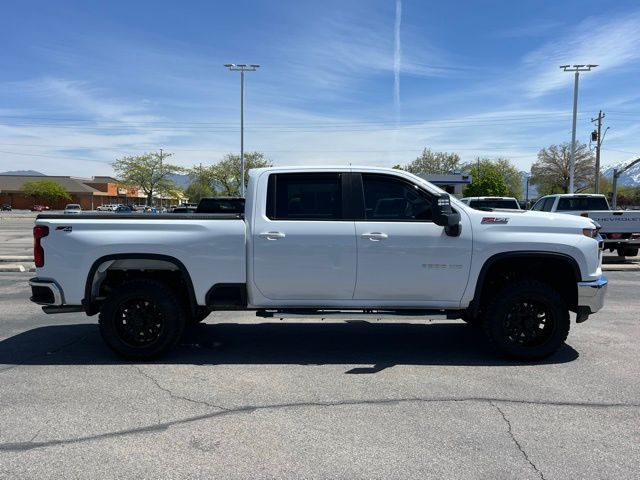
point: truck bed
(211, 247)
(141, 216)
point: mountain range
(630, 178)
(23, 172)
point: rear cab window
(305, 196)
(497, 203)
(582, 204)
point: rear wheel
(627, 251)
(142, 319)
(527, 320)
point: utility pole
(572, 162)
(241, 67)
(599, 139)
(161, 157)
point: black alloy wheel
(528, 323)
(142, 319)
(527, 320)
(139, 322)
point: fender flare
(529, 254)
(90, 305)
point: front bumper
(591, 294)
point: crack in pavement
(44, 354)
(515, 440)
(160, 427)
(172, 394)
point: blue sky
(367, 82)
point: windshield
(73, 207)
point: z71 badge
(491, 220)
(64, 228)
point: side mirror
(445, 217)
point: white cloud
(609, 43)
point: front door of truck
(402, 255)
(303, 247)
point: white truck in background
(620, 229)
(367, 242)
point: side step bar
(363, 313)
(50, 309)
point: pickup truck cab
(620, 229)
(321, 241)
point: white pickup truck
(620, 229)
(367, 242)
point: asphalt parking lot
(247, 398)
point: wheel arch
(519, 261)
(91, 306)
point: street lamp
(572, 162)
(241, 67)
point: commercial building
(90, 193)
(453, 183)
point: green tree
(46, 190)
(487, 181)
(198, 190)
(550, 173)
(503, 166)
(225, 175)
(149, 172)
(433, 163)
(511, 175)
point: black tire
(200, 315)
(629, 252)
(142, 319)
(527, 320)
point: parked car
(183, 210)
(490, 203)
(150, 210)
(620, 228)
(230, 205)
(107, 208)
(72, 209)
(6, 207)
(123, 209)
(322, 242)
(38, 208)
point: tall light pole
(572, 161)
(241, 67)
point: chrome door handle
(271, 235)
(375, 236)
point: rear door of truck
(304, 244)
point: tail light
(39, 232)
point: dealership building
(90, 193)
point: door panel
(402, 255)
(302, 249)
(415, 261)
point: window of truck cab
(314, 196)
(393, 199)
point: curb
(16, 258)
(621, 268)
(12, 268)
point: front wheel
(527, 320)
(142, 319)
